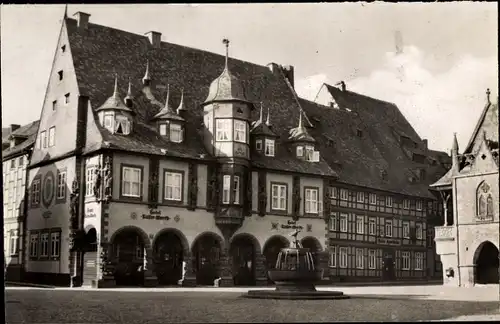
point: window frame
(58, 234)
(343, 262)
(311, 201)
(14, 243)
(61, 187)
(405, 255)
(43, 135)
(372, 256)
(173, 173)
(236, 189)
(227, 129)
(372, 199)
(36, 192)
(161, 127)
(419, 205)
(387, 222)
(332, 225)
(343, 216)
(299, 151)
(406, 230)
(419, 261)
(175, 128)
(44, 234)
(372, 221)
(66, 98)
(388, 201)
(268, 142)
(419, 231)
(226, 189)
(332, 260)
(359, 256)
(279, 186)
(342, 196)
(243, 131)
(362, 218)
(258, 145)
(332, 192)
(360, 197)
(33, 244)
(406, 203)
(131, 167)
(90, 180)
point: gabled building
(467, 239)
(161, 164)
(15, 159)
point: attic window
(309, 152)
(63, 48)
(300, 151)
(61, 75)
(269, 149)
(359, 133)
(54, 105)
(176, 133)
(122, 126)
(108, 121)
(66, 98)
(258, 145)
(163, 129)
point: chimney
(426, 143)
(273, 67)
(154, 38)
(83, 19)
(342, 85)
(288, 70)
(13, 127)
(81, 125)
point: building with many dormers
(16, 152)
(468, 237)
(151, 156)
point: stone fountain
(295, 275)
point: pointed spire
(268, 120)
(261, 116)
(455, 166)
(115, 91)
(455, 143)
(226, 42)
(181, 104)
(168, 97)
(146, 79)
(65, 11)
(129, 91)
(300, 121)
(488, 95)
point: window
(54, 105)
(21, 162)
(388, 228)
(43, 136)
(419, 261)
(63, 48)
(258, 145)
(66, 98)
(236, 189)
(309, 151)
(360, 197)
(226, 189)
(131, 182)
(344, 194)
(388, 201)
(300, 151)
(406, 204)
(269, 149)
(406, 230)
(89, 181)
(332, 222)
(33, 245)
(484, 201)
(278, 197)
(311, 201)
(108, 121)
(52, 135)
(240, 131)
(333, 257)
(14, 244)
(343, 223)
(163, 129)
(13, 164)
(122, 125)
(332, 192)
(372, 225)
(44, 244)
(55, 243)
(175, 133)
(406, 260)
(343, 257)
(61, 185)
(35, 192)
(61, 75)
(223, 130)
(360, 225)
(419, 204)
(173, 186)
(419, 231)
(359, 133)
(373, 199)
(372, 259)
(359, 259)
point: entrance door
(486, 260)
(388, 266)
(206, 251)
(243, 261)
(168, 258)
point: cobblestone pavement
(171, 305)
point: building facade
(158, 164)
(15, 159)
(468, 237)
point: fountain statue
(295, 274)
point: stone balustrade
(444, 233)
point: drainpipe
(455, 221)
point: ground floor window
(372, 259)
(419, 261)
(14, 244)
(343, 257)
(333, 257)
(34, 245)
(359, 259)
(406, 260)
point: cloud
(437, 104)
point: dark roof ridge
(362, 95)
(327, 107)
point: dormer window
(108, 121)
(309, 151)
(258, 145)
(163, 129)
(175, 133)
(300, 151)
(269, 149)
(61, 75)
(122, 125)
(223, 129)
(240, 130)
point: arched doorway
(271, 249)
(244, 248)
(89, 255)
(169, 248)
(206, 256)
(128, 256)
(486, 261)
(314, 247)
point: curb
(26, 284)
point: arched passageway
(243, 251)
(206, 252)
(314, 247)
(169, 249)
(486, 261)
(271, 249)
(128, 255)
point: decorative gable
(484, 160)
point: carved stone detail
(248, 200)
(74, 207)
(212, 189)
(193, 186)
(108, 179)
(326, 199)
(153, 182)
(296, 197)
(262, 193)
(98, 181)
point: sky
(438, 79)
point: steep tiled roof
(100, 51)
(489, 113)
(28, 131)
(381, 124)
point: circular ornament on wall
(48, 189)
